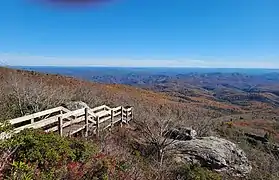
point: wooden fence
(67, 123)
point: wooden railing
(67, 122)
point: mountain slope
(55, 89)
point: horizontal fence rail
(67, 122)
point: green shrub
(44, 149)
(82, 150)
(21, 170)
(193, 172)
(48, 153)
(5, 126)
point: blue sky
(166, 33)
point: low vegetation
(39, 155)
(34, 154)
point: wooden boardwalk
(67, 123)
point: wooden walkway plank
(73, 129)
(103, 107)
(117, 108)
(38, 124)
(35, 115)
(78, 112)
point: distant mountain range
(241, 87)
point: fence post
(122, 116)
(74, 118)
(60, 125)
(98, 126)
(132, 113)
(32, 120)
(86, 122)
(111, 119)
(126, 115)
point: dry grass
(24, 92)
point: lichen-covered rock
(181, 133)
(213, 152)
(75, 105)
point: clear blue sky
(203, 33)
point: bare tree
(153, 131)
(26, 96)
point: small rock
(181, 133)
(263, 140)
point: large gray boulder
(75, 105)
(215, 153)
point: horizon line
(147, 67)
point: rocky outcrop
(181, 133)
(75, 105)
(215, 153)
